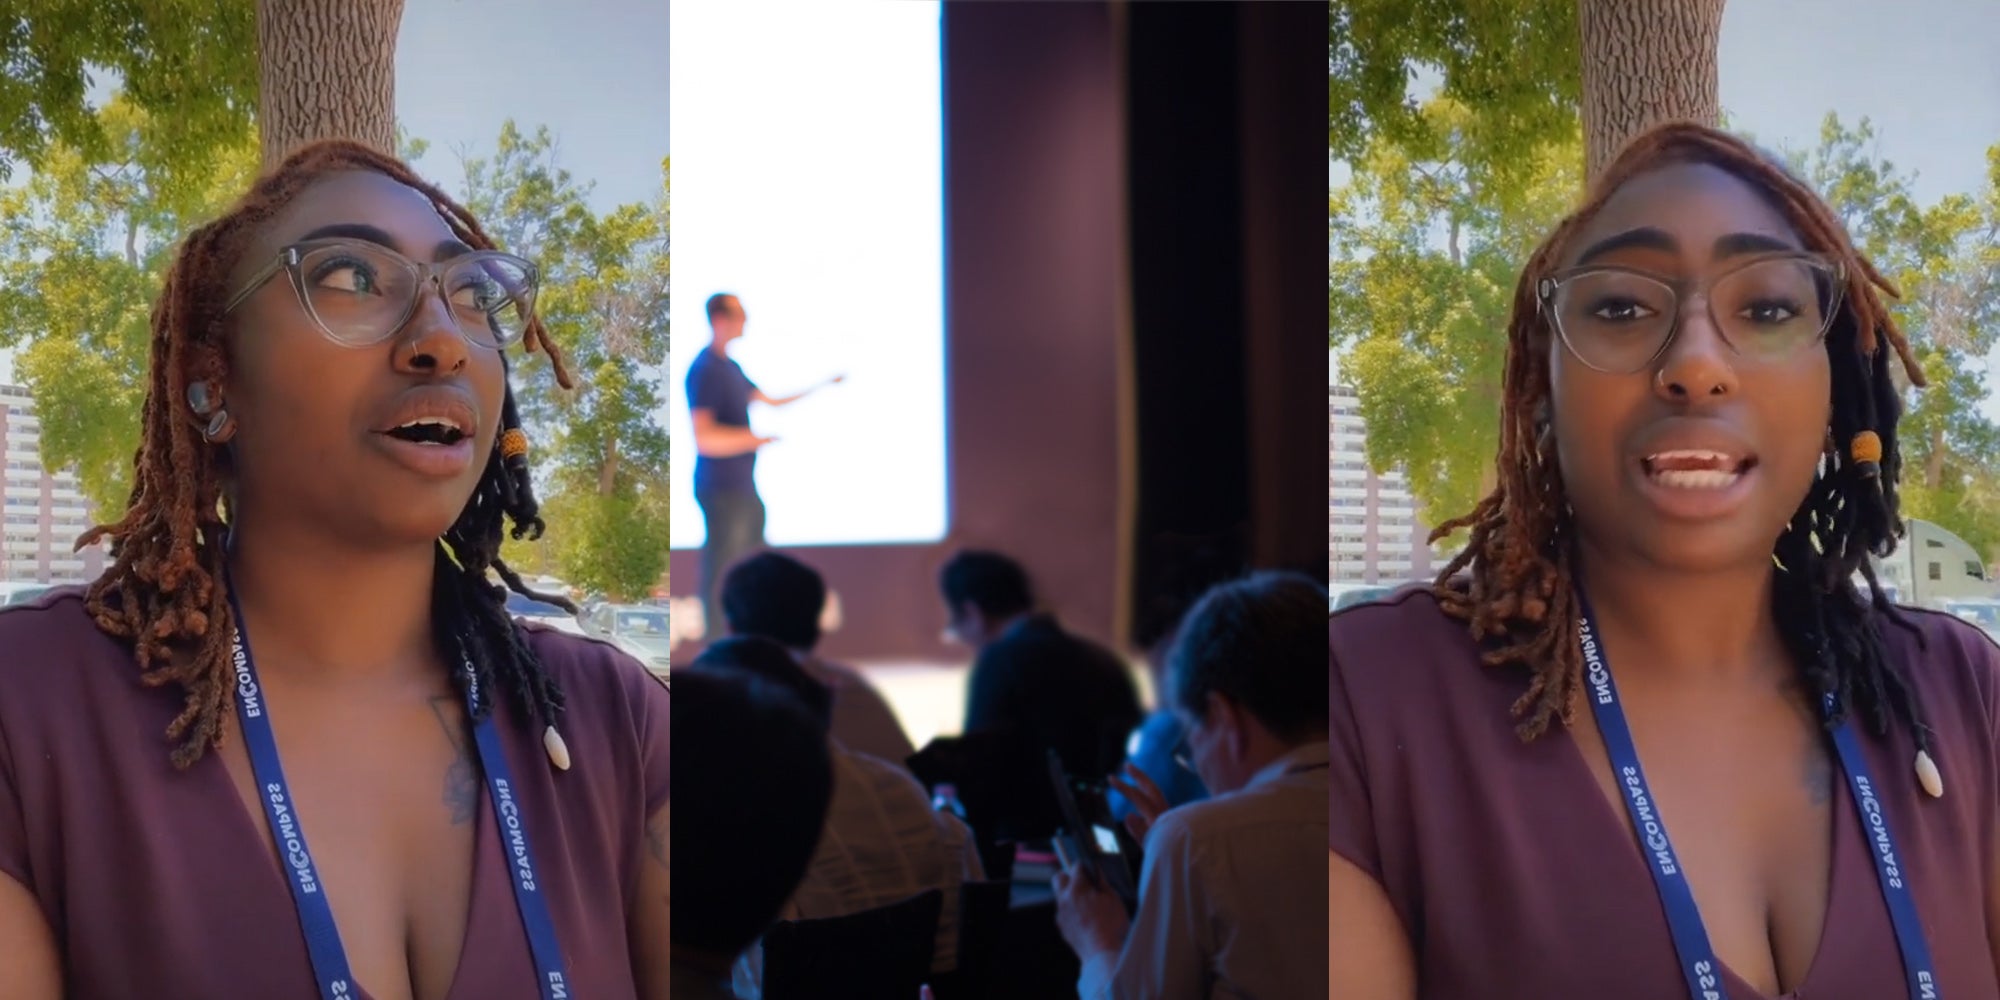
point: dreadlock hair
(166, 592)
(1519, 597)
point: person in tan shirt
(882, 842)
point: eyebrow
(1740, 244)
(1649, 238)
(1643, 238)
(372, 234)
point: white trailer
(1932, 566)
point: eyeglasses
(1620, 320)
(360, 294)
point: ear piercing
(202, 400)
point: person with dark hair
(1228, 900)
(882, 843)
(1031, 677)
(725, 467)
(1155, 752)
(1698, 458)
(396, 786)
(780, 598)
(754, 795)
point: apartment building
(43, 512)
(1373, 535)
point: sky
(1926, 73)
(593, 71)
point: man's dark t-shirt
(1055, 690)
(716, 383)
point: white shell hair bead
(1927, 775)
(552, 741)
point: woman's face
(318, 422)
(1699, 460)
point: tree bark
(326, 70)
(1934, 462)
(607, 474)
(1645, 62)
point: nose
(431, 343)
(1697, 363)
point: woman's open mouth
(428, 430)
(1696, 469)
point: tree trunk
(607, 474)
(1645, 62)
(1934, 462)
(326, 70)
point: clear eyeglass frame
(1685, 293)
(435, 275)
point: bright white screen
(808, 180)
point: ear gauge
(221, 427)
(202, 399)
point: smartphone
(1087, 838)
(1107, 841)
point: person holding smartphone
(1228, 898)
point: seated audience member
(1229, 902)
(882, 842)
(1031, 677)
(1158, 751)
(753, 790)
(780, 598)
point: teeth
(1696, 479)
(1714, 457)
(429, 422)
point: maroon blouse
(158, 884)
(1515, 877)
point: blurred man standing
(725, 484)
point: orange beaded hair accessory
(1866, 449)
(514, 443)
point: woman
(374, 783)
(1654, 743)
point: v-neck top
(1515, 876)
(158, 884)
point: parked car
(1346, 595)
(21, 593)
(528, 608)
(644, 631)
(1984, 614)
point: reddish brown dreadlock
(1519, 596)
(164, 591)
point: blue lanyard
(329, 958)
(1698, 963)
